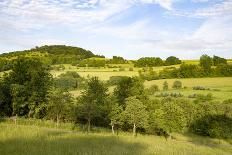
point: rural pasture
(25, 140)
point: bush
(200, 88)
(177, 85)
(131, 69)
(215, 126)
(114, 80)
(154, 88)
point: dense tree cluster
(24, 90)
(204, 69)
(172, 61)
(117, 60)
(149, 62)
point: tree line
(208, 67)
(29, 91)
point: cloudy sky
(129, 28)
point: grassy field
(105, 73)
(223, 85)
(27, 140)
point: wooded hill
(54, 54)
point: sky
(128, 28)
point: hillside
(53, 54)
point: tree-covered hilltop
(53, 50)
(53, 54)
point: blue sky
(128, 28)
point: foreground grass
(23, 140)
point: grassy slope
(23, 140)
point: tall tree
(93, 100)
(218, 60)
(27, 86)
(115, 116)
(128, 87)
(135, 114)
(60, 106)
(206, 63)
(172, 61)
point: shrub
(200, 88)
(131, 69)
(154, 88)
(215, 126)
(177, 85)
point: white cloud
(167, 4)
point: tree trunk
(57, 120)
(134, 130)
(112, 127)
(88, 125)
(16, 119)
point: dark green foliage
(152, 89)
(53, 54)
(177, 85)
(215, 126)
(60, 106)
(172, 61)
(148, 74)
(93, 62)
(224, 70)
(69, 81)
(25, 88)
(116, 60)
(5, 64)
(189, 71)
(206, 62)
(114, 80)
(92, 104)
(5, 96)
(128, 87)
(218, 60)
(149, 62)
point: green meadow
(27, 140)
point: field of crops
(27, 140)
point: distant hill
(54, 50)
(53, 54)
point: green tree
(60, 106)
(115, 116)
(206, 63)
(93, 101)
(27, 86)
(165, 85)
(128, 87)
(172, 61)
(135, 114)
(218, 60)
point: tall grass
(27, 140)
